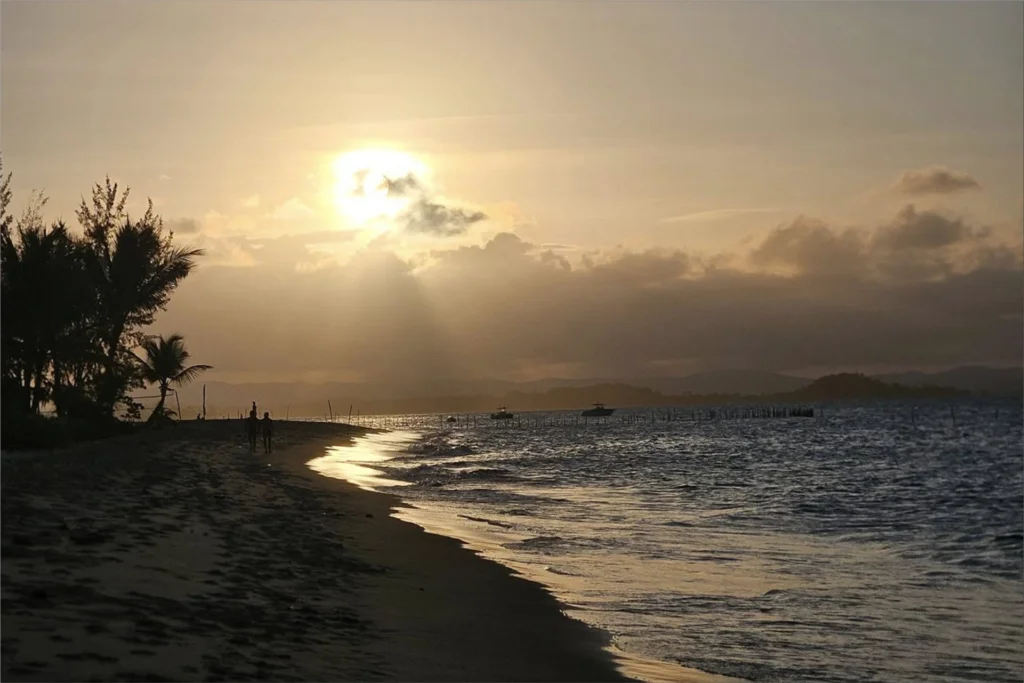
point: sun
(375, 185)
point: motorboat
(502, 414)
(598, 411)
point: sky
(396, 191)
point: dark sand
(178, 555)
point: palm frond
(189, 374)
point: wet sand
(179, 555)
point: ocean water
(859, 545)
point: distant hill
(974, 378)
(614, 394)
(852, 387)
(746, 382)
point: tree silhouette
(74, 306)
(43, 296)
(5, 200)
(164, 365)
(12, 388)
(134, 268)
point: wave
(487, 473)
(491, 522)
(535, 543)
(437, 475)
(439, 447)
(560, 572)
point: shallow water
(858, 546)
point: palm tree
(164, 365)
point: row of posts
(530, 420)
(628, 418)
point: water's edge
(442, 523)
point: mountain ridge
(312, 399)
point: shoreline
(179, 555)
(447, 525)
(437, 591)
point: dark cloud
(914, 245)
(913, 229)
(808, 245)
(934, 180)
(425, 214)
(843, 299)
(433, 218)
(403, 186)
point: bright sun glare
(361, 189)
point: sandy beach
(179, 555)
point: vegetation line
(74, 307)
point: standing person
(268, 432)
(253, 425)
(252, 428)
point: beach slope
(179, 555)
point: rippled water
(857, 546)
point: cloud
(808, 245)
(423, 211)
(914, 244)
(913, 229)
(164, 176)
(934, 180)
(303, 251)
(405, 185)
(427, 213)
(430, 217)
(807, 295)
(292, 210)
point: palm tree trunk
(159, 410)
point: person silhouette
(268, 432)
(254, 428)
